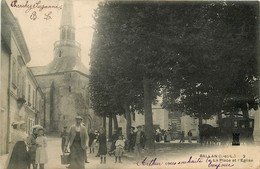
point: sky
(40, 34)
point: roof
(67, 14)
(70, 61)
(9, 21)
(61, 64)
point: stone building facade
(21, 96)
(65, 79)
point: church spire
(67, 46)
(67, 26)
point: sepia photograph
(132, 84)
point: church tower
(65, 79)
(67, 46)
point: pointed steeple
(67, 51)
(67, 46)
(67, 26)
(67, 18)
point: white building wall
(256, 116)
(189, 123)
(160, 117)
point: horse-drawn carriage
(224, 133)
(244, 127)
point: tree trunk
(245, 114)
(105, 124)
(148, 116)
(115, 122)
(200, 130)
(219, 119)
(110, 128)
(128, 120)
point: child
(41, 154)
(119, 148)
(102, 151)
(92, 141)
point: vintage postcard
(130, 84)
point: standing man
(139, 141)
(131, 140)
(63, 136)
(91, 142)
(189, 136)
(77, 139)
(182, 137)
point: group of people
(162, 134)
(182, 140)
(165, 135)
(26, 151)
(77, 139)
(136, 141)
(30, 151)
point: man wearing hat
(131, 138)
(63, 136)
(139, 141)
(77, 139)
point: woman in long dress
(102, 140)
(77, 139)
(41, 154)
(17, 158)
(31, 143)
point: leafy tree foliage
(202, 54)
(218, 72)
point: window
(29, 94)
(251, 124)
(28, 125)
(14, 73)
(73, 35)
(133, 116)
(33, 101)
(69, 88)
(69, 34)
(23, 86)
(63, 34)
(19, 83)
(235, 123)
(40, 105)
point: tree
(184, 48)
(218, 72)
(110, 63)
(119, 34)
